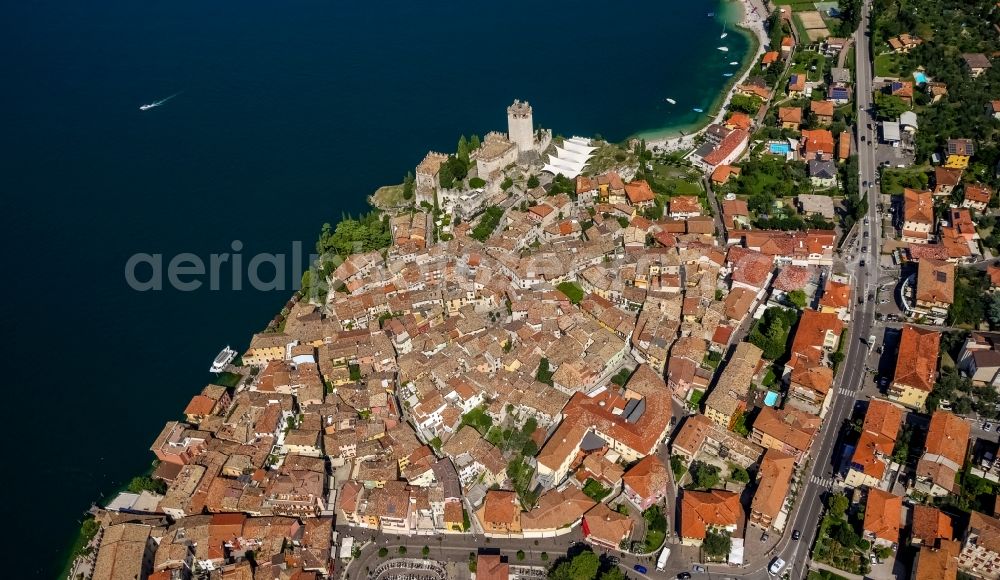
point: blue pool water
(770, 398)
(779, 148)
(920, 78)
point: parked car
(862, 138)
(862, 263)
(776, 565)
(698, 568)
(640, 568)
(684, 576)
(987, 427)
(764, 537)
(873, 558)
(796, 535)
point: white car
(776, 566)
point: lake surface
(291, 114)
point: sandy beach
(753, 14)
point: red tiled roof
(732, 141)
(916, 363)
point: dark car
(862, 263)
(862, 138)
(796, 534)
(640, 568)
(684, 575)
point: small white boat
(724, 48)
(727, 74)
(698, 110)
(222, 359)
(734, 63)
(155, 104)
(724, 33)
(671, 101)
(710, 14)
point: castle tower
(520, 129)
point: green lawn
(824, 575)
(797, 5)
(895, 180)
(805, 60)
(572, 290)
(887, 65)
(672, 180)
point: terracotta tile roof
(792, 278)
(817, 378)
(769, 57)
(919, 252)
(735, 207)
(722, 173)
(817, 141)
(790, 115)
(940, 563)
(753, 269)
(606, 525)
(810, 334)
(821, 108)
(775, 477)
(935, 281)
(988, 530)
(648, 477)
(500, 508)
(882, 514)
(583, 413)
(797, 82)
(918, 206)
(556, 509)
(736, 138)
(638, 191)
(836, 295)
(790, 426)
(878, 437)
(685, 204)
(737, 303)
(944, 450)
(701, 510)
(978, 193)
(492, 567)
(944, 176)
(993, 271)
(739, 120)
(931, 524)
(200, 405)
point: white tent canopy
(571, 158)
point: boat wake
(155, 104)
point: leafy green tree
(889, 106)
(145, 483)
(583, 566)
(838, 504)
(544, 375)
(520, 555)
(533, 182)
(716, 545)
(798, 298)
(613, 574)
(705, 476)
(462, 150)
(677, 466)
(738, 474)
(409, 185)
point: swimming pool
(771, 398)
(779, 148)
(920, 78)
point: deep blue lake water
(291, 114)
